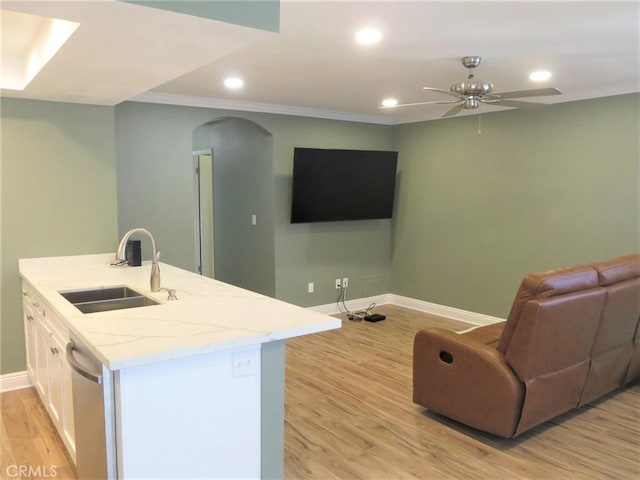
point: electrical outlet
(345, 282)
(310, 287)
(245, 363)
(338, 284)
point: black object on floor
(374, 317)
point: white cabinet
(30, 338)
(41, 380)
(54, 363)
(35, 338)
(47, 366)
(60, 392)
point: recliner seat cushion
(487, 334)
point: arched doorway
(242, 204)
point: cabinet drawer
(33, 299)
(57, 326)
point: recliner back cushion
(619, 317)
(613, 346)
(542, 285)
(618, 269)
(633, 374)
(549, 352)
(554, 333)
(617, 347)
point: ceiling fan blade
(440, 90)
(517, 104)
(538, 92)
(418, 103)
(453, 111)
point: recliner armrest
(463, 379)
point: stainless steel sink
(106, 298)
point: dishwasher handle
(77, 367)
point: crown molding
(237, 105)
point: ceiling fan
(470, 93)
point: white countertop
(208, 316)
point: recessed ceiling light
(389, 102)
(540, 75)
(233, 82)
(368, 36)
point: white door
(203, 161)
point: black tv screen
(334, 185)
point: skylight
(28, 43)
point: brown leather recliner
(572, 336)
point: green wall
(272, 368)
(474, 214)
(242, 187)
(322, 252)
(58, 196)
(263, 14)
(537, 190)
(155, 190)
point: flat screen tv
(335, 185)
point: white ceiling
(313, 66)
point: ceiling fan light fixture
(472, 87)
(540, 76)
(368, 36)
(471, 103)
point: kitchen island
(191, 388)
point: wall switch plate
(254, 219)
(310, 287)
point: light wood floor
(349, 416)
(29, 443)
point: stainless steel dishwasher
(92, 396)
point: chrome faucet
(155, 255)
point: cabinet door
(61, 393)
(60, 389)
(30, 340)
(41, 371)
(56, 401)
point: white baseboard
(14, 381)
(352, 305)
(412, 303)
(444, 311)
